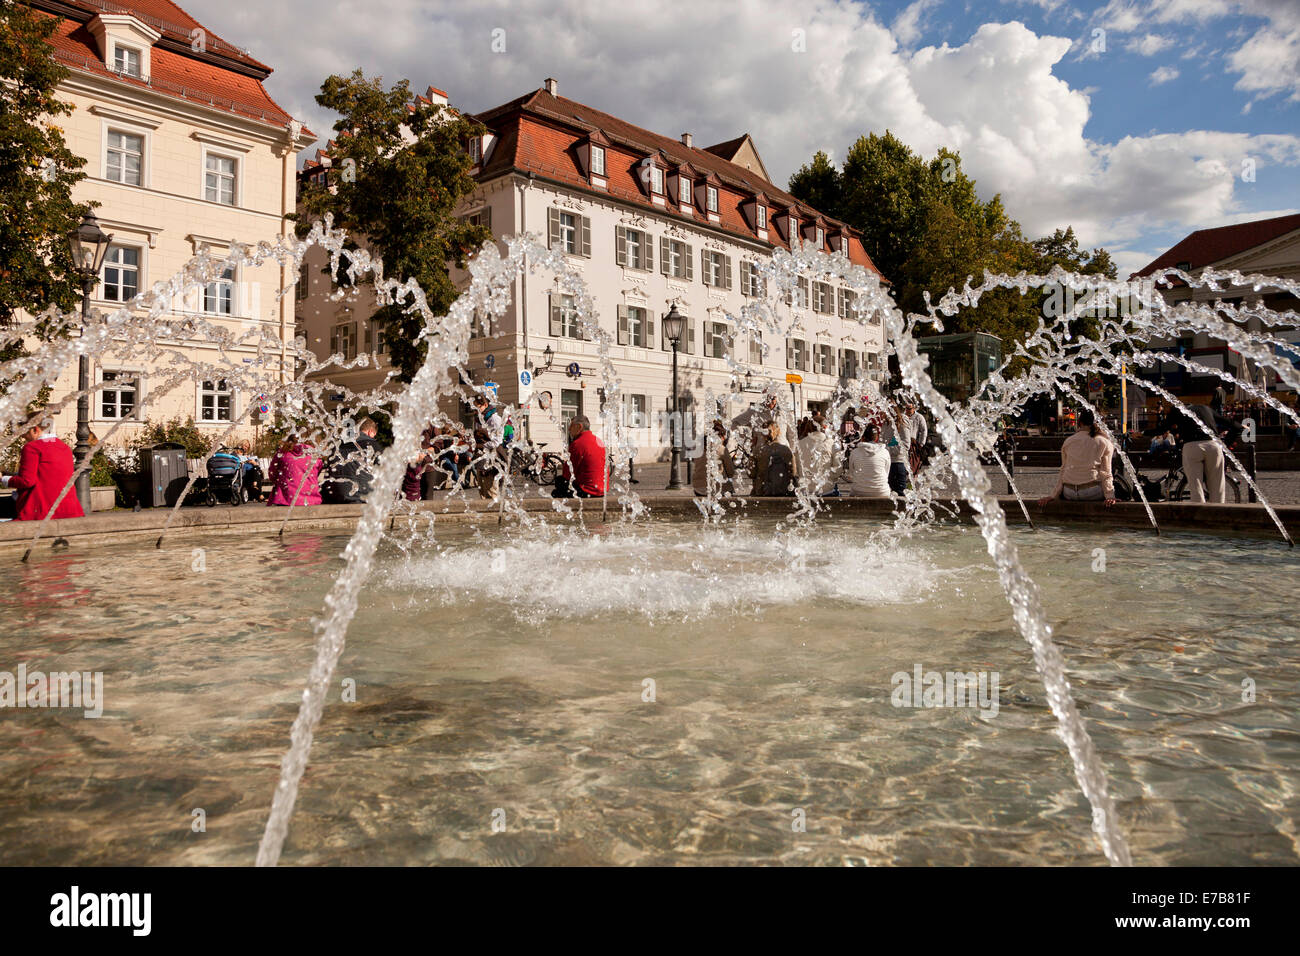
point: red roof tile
(236, 88)
(539, 133)
(1207, 246)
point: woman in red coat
(45, 467)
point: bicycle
(1174, 483)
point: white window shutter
(726, 272)
(557, 326)
(664, 257)
(620, 246)
(622, 325)
(648, 251)
(585, 247)
(648, 330)
(553, 228)
(689, 258)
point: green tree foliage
(399, 171)
(37, 172)
(926, 228)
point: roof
(538, 132)
(1205, 247)
(223, 77)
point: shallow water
(502, 680)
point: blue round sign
(574, 369)
(490, 361)
(525, 378)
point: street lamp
(674, 324)
(549, 355)
(88, 244)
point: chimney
(686, 140)
(551, 86)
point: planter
(103, 497)
(128, 487)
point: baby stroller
(226, 479)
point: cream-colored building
(184, 148)
(650, 222)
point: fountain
(1057, 363)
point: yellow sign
(794, 379)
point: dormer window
(761, 212)
(684, 190)
(475, 150)
(821, 238)
(711, 198)
(656, 180)
(126, 60)
(597, 160)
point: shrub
(186, 433)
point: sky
(1134, 121)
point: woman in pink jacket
(292, 466)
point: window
(847, 298)
(376, 340)
(117, 400)
(637, 407)
(755, 348)
(219, 179)
(570, 406)
(821, 238)
(634, 326)
(121, 273)
(823, 298)
(849, 367)
(711, 198)
(300, 292)
(343, 340)
(683, 189)
(761, 214)
(675, 258)
(796, 354)
(125, 158)
(475, 150)
(715, 341)
(798, 296)
(825, 361)
(219, 296)
(126, 60)
(569, 232)
(216, 402)
(716, 269)
(481, 218)
(686, 344)
(564, 317)
(751, 283)
(656, 180)
(632, 248)
(598, 160)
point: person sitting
(815, 459)
(773, 474)
(586, 477)
(1085, 465)
(715, 450)
(45, 466)
(867, 468)
(1161, 444)
(348, 476)
(295, 474)
(252, 477)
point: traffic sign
(794, 379)
(525, 387)
(491, 387)
(1095, 383)
(489, 361)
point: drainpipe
(521, 302)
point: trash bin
(163, 474)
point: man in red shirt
(44, 468)
(586, 479)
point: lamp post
(674, 323)
(88, 244)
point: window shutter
(553, 228)
(622, 325)
(706, 274)
(648, 330)
(648, 251)
(726, 272)
(789, 353)
(586, 236)
(334, 340)
(664, 258)
(556, 325)
(663, 339)
(487, 217)
(689, 259)
(620, 246)
(690, 336)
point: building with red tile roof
(652, 222)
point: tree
(818, 184)
(399, 170)
(37, 171)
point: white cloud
(1149, 44)
(1163, 74)
(907, 25)
(1019, 127)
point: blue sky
(1134, 144)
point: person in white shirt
(868, 467)
(1085, 465)
(815, 460)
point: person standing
(1085, 465)
(585, 476)
(491, 436)
(1202, 455)
(815, 459)
(898, 433)
(45, 466)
